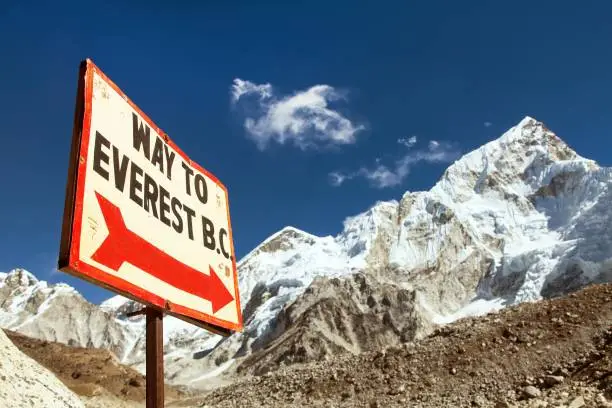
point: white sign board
(141, 218)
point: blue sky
(309, 112)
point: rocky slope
(336, 315)
(553, 353)
(24, 383)
(95, 375)
(521, 218)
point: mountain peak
(281, 240)
(517, 158)
(20, 277)
(526, 121)
(293, 230)
(531, 135)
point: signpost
(143, 220)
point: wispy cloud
(384, 176)
(336, 178)
(407, 141)
(303, 118)
(240, 88)
(488, 124)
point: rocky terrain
(24, 383)
(552, 353)
(91, 373)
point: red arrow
(122, 245)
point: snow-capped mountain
(522, 217)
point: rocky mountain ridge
(60, 313)
(521, 218)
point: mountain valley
(522, 219)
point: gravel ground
(553, 353)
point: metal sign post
(155, 358)
(154, 355)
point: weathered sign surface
(141, 218)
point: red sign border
(69, 259)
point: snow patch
(478, 307)
(114, 303)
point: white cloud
(408, 142)
(488, 124)
(434, 145)
(240, 88)
(336, 178)
(383, 176)
(303, 118)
